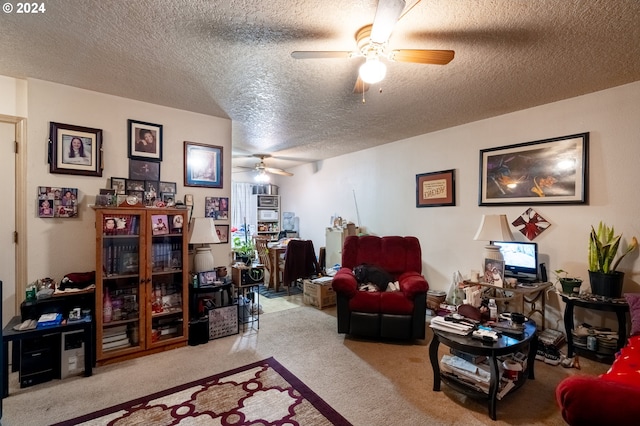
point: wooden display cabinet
(141, 282)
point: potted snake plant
(604, 277)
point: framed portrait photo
(549, 171)
(75, 150)
(202, 165)
(145, 140)
(436, 189)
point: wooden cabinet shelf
(142, 272)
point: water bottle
(493, 310)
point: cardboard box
(318, 294)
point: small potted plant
(244, 250)
(604, 277)
(570, 285)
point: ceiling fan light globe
(372, 71)
(262, 177)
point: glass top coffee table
(505, 345)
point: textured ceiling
(232, 59)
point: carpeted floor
(263, 392)
(368, 382)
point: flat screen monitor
(520, 259)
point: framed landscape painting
(202, 165)
(549, 171)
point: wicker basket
(435, 298)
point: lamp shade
(494, 227)
(203, 231)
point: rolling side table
(504, 346)
(534, 296)
(620, 308)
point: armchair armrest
(345, 282)
(412, 284)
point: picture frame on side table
(75, 150)
(202, 165)
(549, 171)
(145, 141)
(436, 189)
(494, 272)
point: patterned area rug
(272, 294)
(262, 393)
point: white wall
(60, 246)
(13, 97)
(383, 179)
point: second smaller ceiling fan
(262, 169)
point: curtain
(242, 207)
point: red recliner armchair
(392, 314)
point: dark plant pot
(570, 285)
(607, 285)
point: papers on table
(439, 323)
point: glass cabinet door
(120, 293)
(167, 258)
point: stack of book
(115, 338)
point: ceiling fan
(372, 42)
(262, 169)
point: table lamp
(494, 227)
(203, 231)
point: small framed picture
(167, 187)
(109, 226)
(144, 170)
(119, 184)
(223, 233)
(107, 191)
(436, 189)
(188, 199)
(216, 207)
(152, 187)
(75, 150)
(176, 224)
(159, 224)
(134, 185)
(145, 140)
(46, 208)
(169, 199)
(176, 259)
(206, 279)
(129, 262)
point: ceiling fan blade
(435, 57)
(320, 54)
(244, 169)
(360, 86)
(387, 15)
(277, 171)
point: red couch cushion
(626, 368)
(394, 254)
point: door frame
(20, 284)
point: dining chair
(263, 255)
